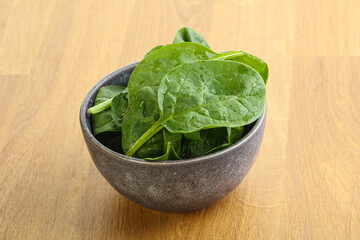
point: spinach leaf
(185, 148)
(119, 105)
(206, 94)
(170, 154)
(151, 70)
(210, 139)
(235, 134)
(215, 139)
(186, 34)
(193, 135)
(103, 121)
(256, 63)
(153, 50)
(174, 139)
(141, 114)
(104, 97)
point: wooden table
(305, 182)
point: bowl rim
(86, 131)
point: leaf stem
(100, 107)
(227, 55)
(144, 138)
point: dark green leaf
(193, 135)
(141, 114)
(174, 139)
(210, 139)
(170, 154)
(185, 148)
(235, 134)
(102, 121)
(107, 92)
(186, 34)
(119, 105)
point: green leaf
(174, 139)
(119, 105)
(193, 136)
(141, 114)
(207, 94)
(153, 50)
(186, 34)
(170, 154)
(103, 121)
(102, 100)
(215, 139)
(185, 148)
(209, 140)
(256, 63)
(235, 134)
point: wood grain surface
(305, 182)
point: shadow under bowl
(177, 185)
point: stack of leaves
(183, 100)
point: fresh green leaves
(183, 100)
(151, 70)
(207, 94)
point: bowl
(171, 186)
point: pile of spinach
(183, 100)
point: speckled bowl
(171, 186)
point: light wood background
(305, 182)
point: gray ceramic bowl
(171, 186)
